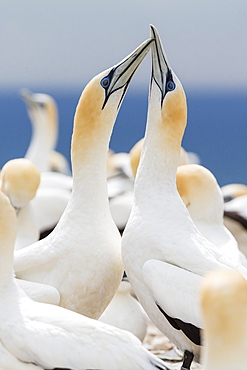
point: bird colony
(94, 252)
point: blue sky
(66, 42)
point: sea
(216, 130)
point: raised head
(100, 101)
(42, 110)
(167, 105)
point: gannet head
(223, 297)
(200, 192)
(19, 181)
(167, 104)
(42, 109)
(101, 99)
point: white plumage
(20, 180)
(160, 227)
(50, 336)
(203, 198)
(81, 257)
(125, 312)
(223, 296)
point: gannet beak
(161, 72)
(27, 96)
(120, 75)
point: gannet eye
(170, 85)
(105, 82)
(41, 105)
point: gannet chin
(160, 227)
(81, 257)
(223, 297)
(44, 336)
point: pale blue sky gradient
(66, 42)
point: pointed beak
(121, 74)
(160, 67)
(26, 96)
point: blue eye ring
(170, 86)
(105, 82)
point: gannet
(43, 114)
(81, 257)
(234, 190)
(51, 336)
(125, 312)
(20, 180)
(203, 198)
(223, 296)
(160, 228)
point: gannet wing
(40, 292)
(176, 294)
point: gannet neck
(42, 111)
(201, 193)
(164, 132)
(224, 309)
(8, 225)
(93, 123)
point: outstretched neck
(161, 148)
(90, 142)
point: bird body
(160, 226)
(48, 336)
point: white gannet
(203, 198)
(160, 227)
(234, 190)
(125, 312)
(223, 297)
(43, 114)
(81, 257)
(235, 219)
(51, 336)
(20, 180)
